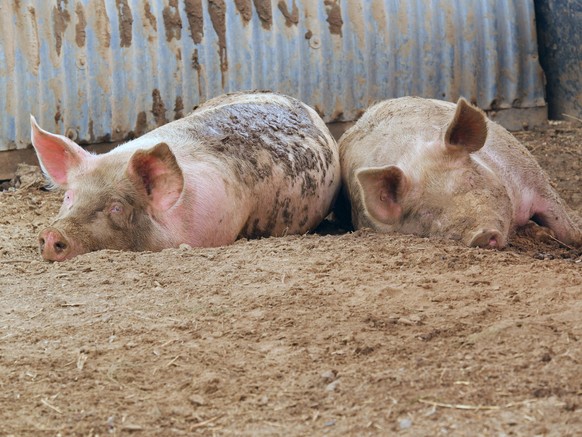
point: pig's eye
(68, 201)
(116, 208)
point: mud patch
(102, 24)
(245, 9)
(172, 21)
(255, 139)
(195, 16)
(334, 16)
(80, 32)
(141, 124)
(179, 108)
(125, 22)
(217, 11)
(151, 18)
(58, 115)
(61, 19)
(265, 12)
(291, 17)
(158, 108)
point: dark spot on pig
(265, 12)
(245, 9)
(149, 16)
(61, 19)
(172, 21)
(125, 22)
(286, 213)
(334, 16)
(178, 108)
(195, 19)
(217, 11)
(308, 34)
(158, 108)
(80, 32)
(291, 17)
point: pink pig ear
(468, 129)
(57, 154)
(382, 190)
(157, 173)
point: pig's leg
(538, 232)
(551, 213)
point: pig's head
(447, 192)
(112, 201)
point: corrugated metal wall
(105, 70)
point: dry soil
(331, 333)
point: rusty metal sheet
(108, 70)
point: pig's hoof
(538, 233)
(487, 238)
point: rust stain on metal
(179, 108)
(61, 19)
(58, 115)
(80, 32)
(33, 54)
(172, 21)
(141, 125)
(217, 11)
(102, 24)
(195, 19)
(149, 16)
(125, 22)
(291, 17)
(245, 9)
(334, 16)
(158, 108)
(265, 12)
(196, 66)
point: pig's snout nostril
(60, 246)
(41, 243)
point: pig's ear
(468, 129)
(156, 173)
(57, 154)
(382, 191)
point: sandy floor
(339, 334)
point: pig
(433, 168)
(250, 165)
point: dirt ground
(339, 334)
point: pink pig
(241, 165)
(433, 168)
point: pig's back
(273, 153)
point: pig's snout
(487, 238)
(53, 245)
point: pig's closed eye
(116, 208)
(68, 200)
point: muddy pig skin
(433, 168)
(241, 165)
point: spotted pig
(241, 165)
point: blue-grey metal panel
(105, 70)
(559, 24)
